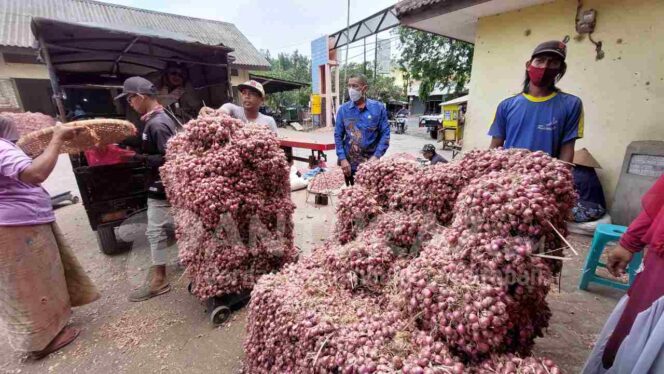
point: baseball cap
(552, 46)
(137, 85)
(429, 148)
(253, 85)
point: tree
(289, 66)
(434, 59)
(381, 88)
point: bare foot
(66, 336)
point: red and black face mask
(542, 77)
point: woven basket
(96, 132)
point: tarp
(114, 52)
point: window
(234, 73)
(8, 96)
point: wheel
(190, 288)
(433, 134)
(75, 200)
(219, 315)
(108, 243)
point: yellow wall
(29, 71)
(243, 76)
(623, 94)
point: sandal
(145, 293)
(66, 336)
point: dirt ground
(172, 333)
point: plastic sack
(296, 183)
(107, 155)
(587, 228)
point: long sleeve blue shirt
(361, 133)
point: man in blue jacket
(362, 132)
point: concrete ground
(172, 334)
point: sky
(276, 25)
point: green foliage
(434, 59)
(289, 66)
(381, 88)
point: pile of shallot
(228, 184)
(28, 122)
(327, 181)
(443, 269)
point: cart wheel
(219, 315)
(75, 200)
(108, 243)
(190, 288)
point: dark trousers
(350, 181)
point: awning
(456, 19)
(104, 54)
(273, 85)
(458, 100)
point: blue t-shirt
(360, 134)
(539, 123)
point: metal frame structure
(381, 21)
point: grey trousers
(159, 219)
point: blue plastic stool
(605, 233)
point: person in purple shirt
(35, 303)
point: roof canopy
(273, 85)
(89, 53)
(455, 19)
(458, 100)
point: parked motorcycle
(402, 126)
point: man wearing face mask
(541, 118)
(361, 132)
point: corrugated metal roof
(15, 16)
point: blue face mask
(354, 94)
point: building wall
(623, 94)
(243, 76)
(30, 71)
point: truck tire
(108, 243)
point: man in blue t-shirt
(541, 118)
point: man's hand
(345, 166)
(64, 133)
(618, 260)
(373, 158)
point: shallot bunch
(384, 178)
(507, 203)
(511, 364)
(355, 209)
(28, 122)
(430, 190)
(357, 264)
(330, 180)
(467, 299)
(229, 185)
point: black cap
(429, 148)
(552, 46)
(137, 85)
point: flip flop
(66, 336)
(145, 293)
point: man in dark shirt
(159, 127)
(429, 152)
(591, 204)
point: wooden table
(317, 150)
